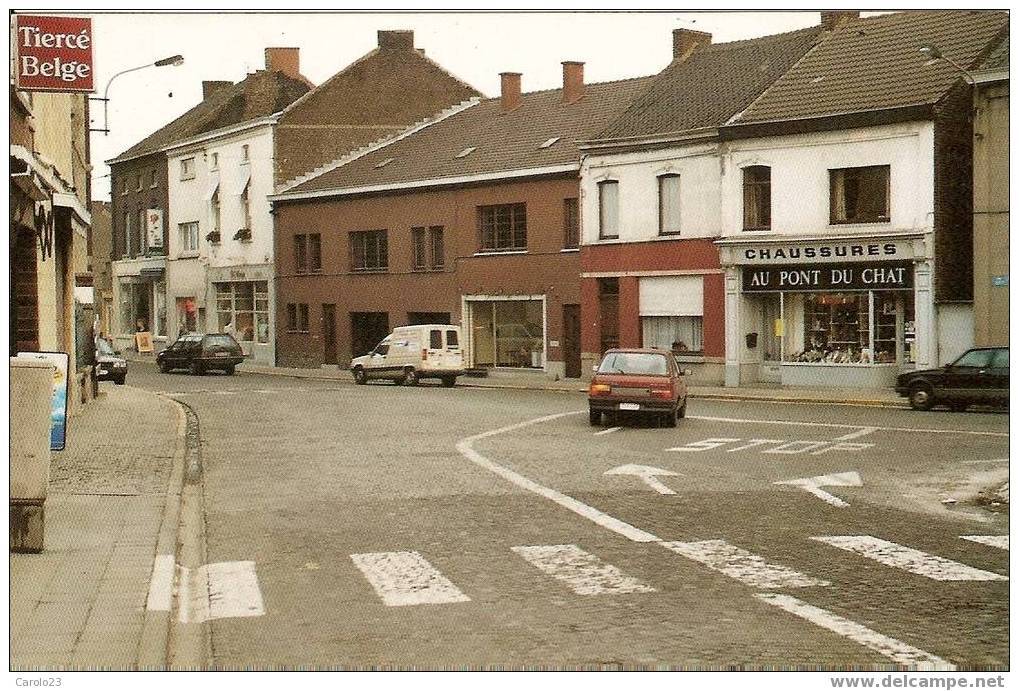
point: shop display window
(856, 328)
(243, 310)
(508, 333)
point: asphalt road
(429, 527)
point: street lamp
(934, 54)
(173, 60)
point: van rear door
(454, 355)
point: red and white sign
(54, 53)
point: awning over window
(244, 181)
(213, 188)
(672, 296)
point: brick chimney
(830, 19)
(285, 60)
(573, 81)
(684, 41)
(396, 39)
(510, 98)
(211, 87)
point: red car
(638, 381)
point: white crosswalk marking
(898, 651)
(406, 578)
(999, 541)
(908, 559)
(219, 591)
(584, 573)
(742, 565)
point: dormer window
(383, 164)
(466, 152)
(548, 142)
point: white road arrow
(814, 485)
(647, 474)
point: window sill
(757, 230)
(841, 224)
(692, 358)
(425, 270)
(497, 253)
(370, 271)
(188, 255)
(671, 234)
(569, 249)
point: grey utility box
(31, 403)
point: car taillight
(599, 389)
(661, 392)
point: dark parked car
(978, 377)
(109, 365)
(641, 381)
(199, 353)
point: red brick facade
(543, 270)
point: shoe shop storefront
(846, 312)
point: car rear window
(451, 339)
(220, 341)
(104, 348)
(1000, 360)
(634, 363)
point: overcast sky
(475, 47)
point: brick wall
(147, 198)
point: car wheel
(921, 397)
(594, 416)
(196, 368)
(670, 418)
(119, 381)
(410, 377)
(360, 377)
(449, 382)
(681, 410)
(164, 368)
(230, 370)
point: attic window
(466, 152)
(548, 142)
(384, 163)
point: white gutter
(432, 182)
(222, 132)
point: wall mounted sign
(999, 281)
(58, 408)
(154, 227)
(820, 251)
(828, 277)
(54, 53)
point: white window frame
(187, 168)
(187, 234)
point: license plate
(629, 406)
(102, 371)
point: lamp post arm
(965, 72)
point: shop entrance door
(571, 340)
(329, 334)
(366, 330)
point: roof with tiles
(258, 95)
(500, 141)
(875, 63)
(998, 59)
(711, 85)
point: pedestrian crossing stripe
(406, 578)
(908, 559)
(999, 541)
(584, 573)
(740, 564)
(222, 590)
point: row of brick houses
(794, 208)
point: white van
(411, 353)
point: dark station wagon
(199, 353)
(977, 377)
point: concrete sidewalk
(112, 506)
(886, 398)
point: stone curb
(466, 382)
(152, 648)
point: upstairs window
(418, 248)
(571, 224)
(245, 153)
(668, 204)
(608, 209)
(215, 211)
(502, 227)
(142, 232)
(153, 184)
(138, 183)
(127, 233)
(369, 250)
(315, 252)
(437, 247)
(214, 161)
(757, 198)
(860, 195)
(187, 168)
(188, 233)
(301, 253)
(428, 248)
